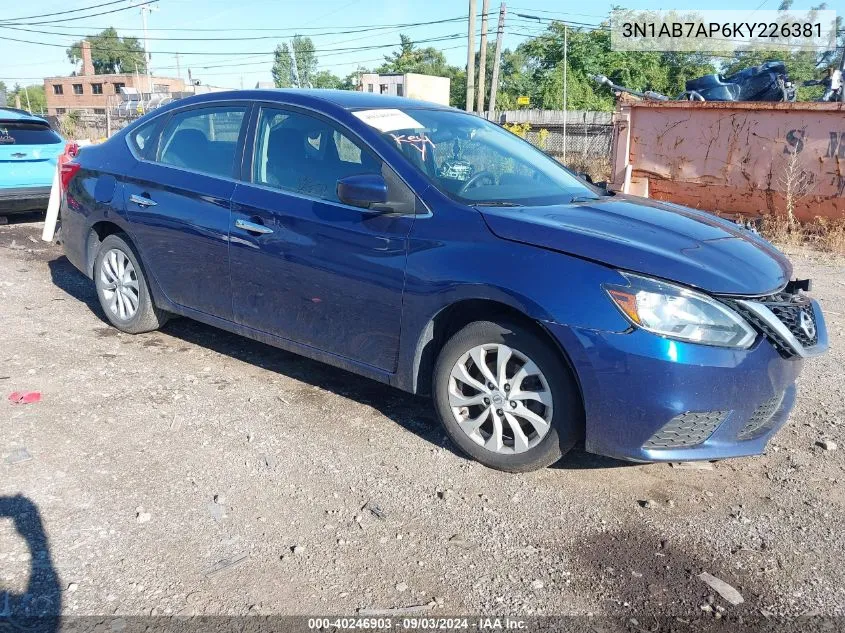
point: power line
(326, 67)
(47, 15)
(329, 30)
(327, 51)
(540, 20)
(266, 61)
(250, 38)
(80, 17)
(584, 15)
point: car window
(20, 133)
(142, 139)
(307, 155)
(475, 161)
(204, 140)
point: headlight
(680, 313)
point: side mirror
(585, 176)
(362, 190)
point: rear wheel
(122, 288)
(506, 398)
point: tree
(408, 59)
(325, 79)
(457, 87)
(306, 63)
(351, 81)
(111, 53)
(535, 69)
(36, 103)
(426, 61)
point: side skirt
(362, 369)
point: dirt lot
(191, 471)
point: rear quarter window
(23, 133)
(142, 138)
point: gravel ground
(190, 471)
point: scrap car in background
(29, 152)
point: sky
(218, 60)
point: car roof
(14, 114)
(348, 99)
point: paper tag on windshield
(388, 119)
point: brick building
(92, 94)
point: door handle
(142, 201)
(252, 227)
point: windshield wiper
(496, 203)
(584, 199)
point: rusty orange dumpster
(734, 157)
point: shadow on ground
(38, 607)
(23, 218)
(414, 413)
(654, 578)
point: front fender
(546, 286)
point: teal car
(29, 151)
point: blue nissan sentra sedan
(431, 250)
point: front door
(305, 266)
(178, 204)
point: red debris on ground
(24, 397)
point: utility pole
(28, 105)
(145, 9)
(494, 84)
(140, 107)
(471, 56)
(294, 71)
(565, 67)
(482, 57)
(842, 76)
(178, 67)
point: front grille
(758, 423)
(789, 312)
(687, 429)
(788, 308)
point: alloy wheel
(119, 284)
(500, 399)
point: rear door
(177, 198)
(28, 153)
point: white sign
(388, 119)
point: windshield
(475, 161)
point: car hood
(650, 237)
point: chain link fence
(585, 146)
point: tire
(127, 304)
(561, 409)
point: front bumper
(21, 199)
(651, 399)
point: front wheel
(506, 397)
